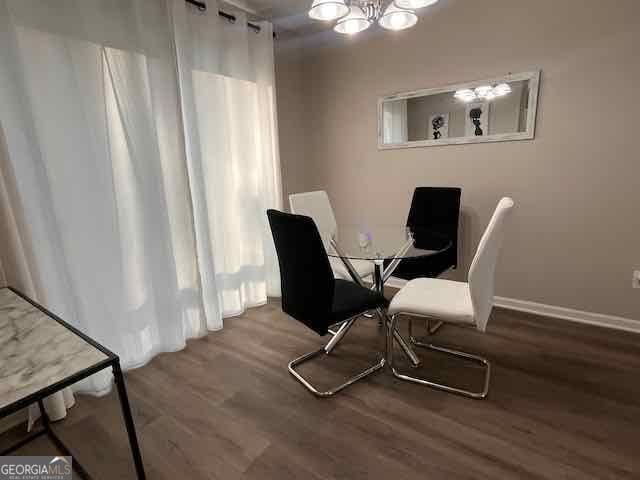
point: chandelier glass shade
(328, 10)
(396, 18)
(353, 16)
(356, 21)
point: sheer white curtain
(227, 84)
(138, 159)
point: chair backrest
(435, 215)
(317, 206)
(483, 267)
(305, 273)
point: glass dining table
(385, 246)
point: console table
(41, 354)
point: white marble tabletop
(35, 350)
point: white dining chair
(317, 206)
(460, 303)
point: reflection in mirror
(502, 109)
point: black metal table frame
(112, 361)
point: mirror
(493, 110)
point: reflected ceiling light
(465, 95)
(502, 89)
(355, 22)
(354, 16)
(483, 92)
(395, 18)
(328, 10)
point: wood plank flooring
(564, 404)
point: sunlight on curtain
(227, 81)
(127, 203)
(142, 150)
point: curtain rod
(232, 18)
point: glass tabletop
(385, 242)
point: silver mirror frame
(528, 134)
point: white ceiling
(289, 15)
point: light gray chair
(460, 303)
(317, 206)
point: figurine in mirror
(475, 114)
(477, 119)
(439, 126)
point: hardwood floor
(564, 403)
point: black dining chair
(311, 294)
(433, 219)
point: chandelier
(353, 16)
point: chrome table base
(380, 276)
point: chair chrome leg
(406, 348)
(446, 388)
(339, 335)
(328, 393)
(333, 329)
(430, 330)
(404, 345)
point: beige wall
(291, 124)
(575, 235)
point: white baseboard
(599, 319)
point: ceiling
(286, 15)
